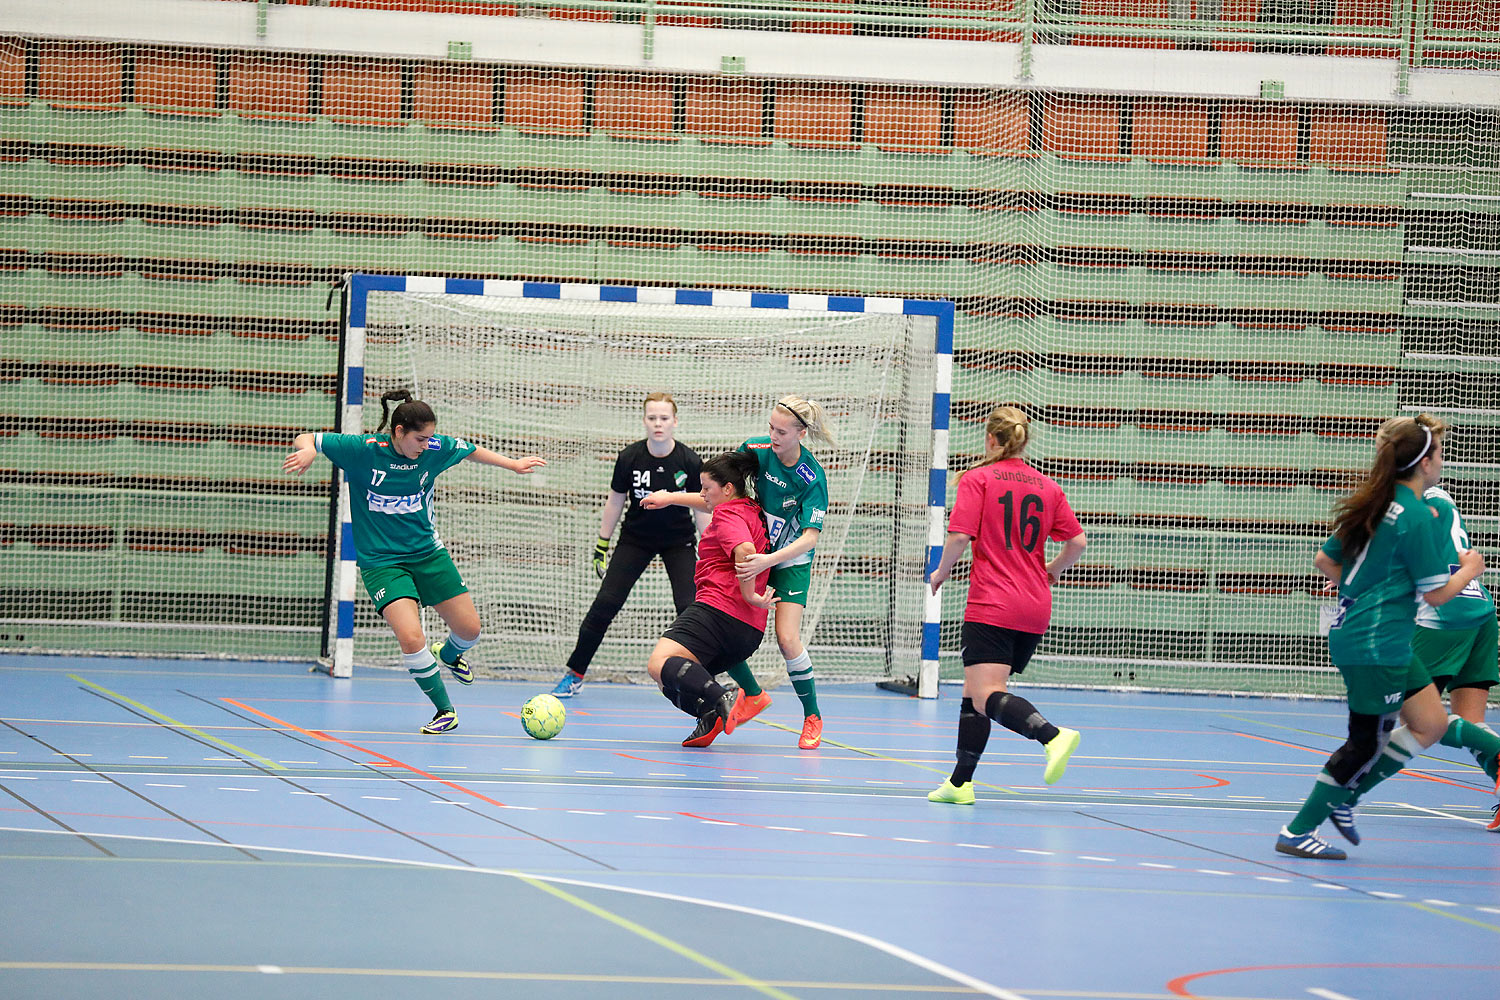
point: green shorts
(430, 580)
(1380, 690)
(1461, 657)
(791, 583)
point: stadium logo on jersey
(805, 471)
(394, 505)
(403, 468)
(680, 478)
(776, 482)
(434, 443)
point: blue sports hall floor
(174, 828)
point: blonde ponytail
(1011, 430)
(810, 415)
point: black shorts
(716, 639)
(981, 643)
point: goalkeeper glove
(601, 556)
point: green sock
(1398, 754)
(424, 670)
(1470, 736)
(745, 678)
(1327, 795)
(799, 669)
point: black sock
(1019, 716)
(689, 686)
(973, 734)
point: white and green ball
(543, 716)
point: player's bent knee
(1368, 735)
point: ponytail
(810, 416)
(1011, 429)
(411, 413)
(1400, 445)
(733, 468)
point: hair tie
(793, 413)
(1426, 446)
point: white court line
(895, 951)
(1318, 991)
(1444, 815)
(1387, 895)
(787, 829)
(91, 781)
(1153, 864)
(141, 756)
(584, 812)
(1330, 885)
(840, 833)
(1438, 902)
(1091, 857)
(664, 819)
(380, 798)
(229, 788)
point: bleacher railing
(1420, 33)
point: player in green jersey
(401, 559)
(1455, 646)
(1459, 643)
(793, 491)
(1385, 552)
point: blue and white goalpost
(558, 370)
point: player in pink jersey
(1008, 510)
(727, 620)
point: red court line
(389, 761)
(1178, 986)
(1406, 773)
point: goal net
(530, 369)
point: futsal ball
(543, 716)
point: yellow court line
(889, 760)
(688, 953)
(271, 764)
(1455, 916)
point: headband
(1426, 447)
(793, 413)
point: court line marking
(391, 761)
(533, 977)
(168, 720)
(661, 941)
(895, 951)
(878, 756)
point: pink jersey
(1010, 510)
(734, 521)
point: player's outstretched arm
(657, 499)
(520, 466)
(756, 565)
(955, 546)
(302, 456)
(743, 553)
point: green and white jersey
(1382, 585)
(793, 497)
(1474, 604)
(390, 495)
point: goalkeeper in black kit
(658, 462)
